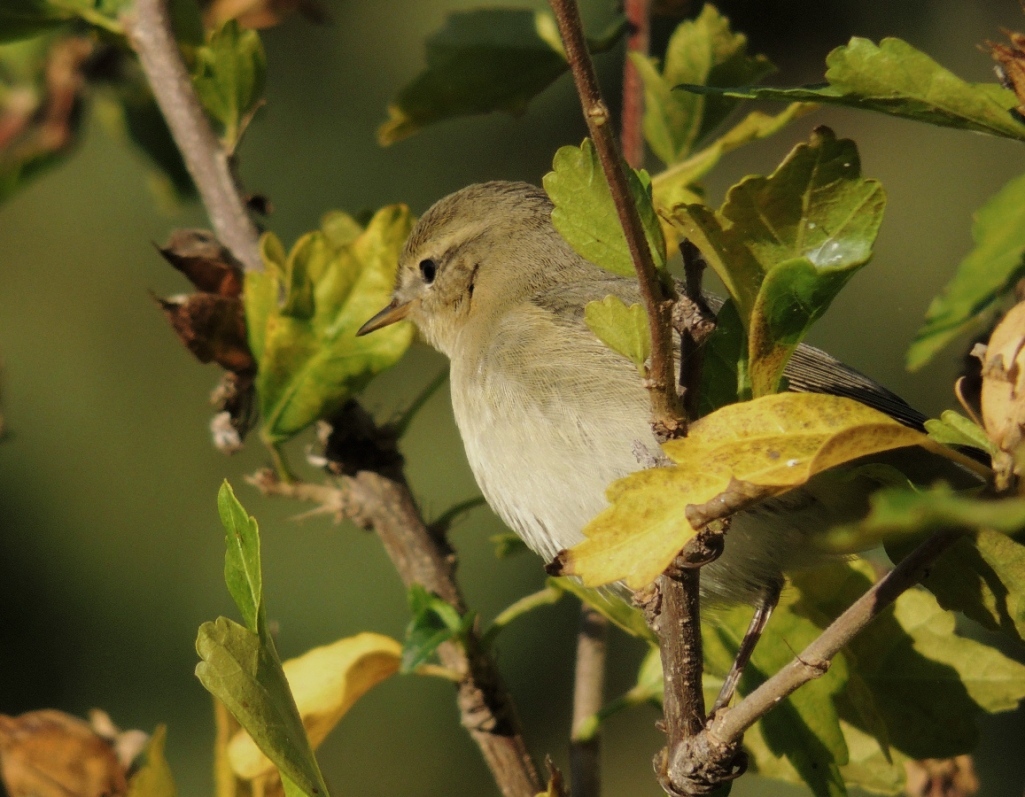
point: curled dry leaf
(325, 683)
(49, 753)
(1011, 69)
(941, 777)
(744, 453)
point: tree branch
(814, 660)
(375, 496)
(382, 501)
(667, 416)
(638, 17)
(149, 30)
(588, 696)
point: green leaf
(793, 296)
(240, 665)
(896, 79)
(623, 329)
(923, 682)
(585, 214)
(805, 727)
(153, 778)
(242, 670)
(987, 274)
(433, 623)
(310, 360)
(676, 185)
(494, 59)
(898, 514)
(724, 373)
(229, 76)
(242, 572)
(954, 429)
(814, 220)
(701, 51)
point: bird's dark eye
(429, 270)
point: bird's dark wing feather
(811, 370)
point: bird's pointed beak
(395, 311)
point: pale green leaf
(585, 214)
(623, 329)
(229, 76)
(954, 429)
(310, 360)
(701, 51)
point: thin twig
(814, 660)
(149, 30)
(588, 696)
(376, 498)
(638, 17)
(667, 417)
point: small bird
(548, 414)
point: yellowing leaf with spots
(325, 683)
(732, 458)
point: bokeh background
(110, 550)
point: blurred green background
(110, 550)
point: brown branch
(638, 17)
(382, 501)
(149, 30)
(588, 696)
(667, 416)
(814, 660)
(375, 496)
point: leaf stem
(148, 27)
(667, 419)
(638, 18)
(546, 597)
(588, 696)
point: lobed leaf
(701, 51)
(585, 214)
(987, 274)
(229, 76)
(676, 184)
(896, 79)
(325, 683)
(495, 59)
(242, 670)
(623, 329)
(785, 244)
(310, 360)
(739, 454)
(926, 685)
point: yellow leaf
(325, 683)
(737, 455)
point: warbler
(548, 414)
